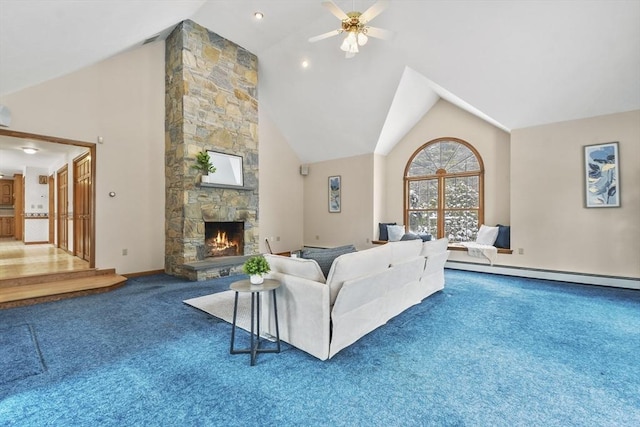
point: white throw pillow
(487, 235)
(395, 232)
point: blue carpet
(488, 350)
(19, 354)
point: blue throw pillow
(384, 235)
(504, 237)
(425, 237)
(324, 257)
(410, 236)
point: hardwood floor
(19, 260)
(31, 274)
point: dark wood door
(82, 207)
(18, 207)
(52, 190)
(63, 208)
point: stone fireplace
(210, 104)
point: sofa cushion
(504, 237)
(298, 267)
(433, 247)
(358, 264)
(325, 256)
(382, 233)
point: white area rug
(220, 305)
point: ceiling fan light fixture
(350, 43)
(362, 39)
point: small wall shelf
(230, 187)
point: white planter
(256, 279)
(205, 179)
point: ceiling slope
(514, 63)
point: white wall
(353, 225)
(122, 100)
(36, 202)
(548, 215)
(281, 188)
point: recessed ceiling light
(305, 64)
(258, 15)
(29, 150)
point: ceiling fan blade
(379, 33)
(333, 8)
(374, 11)
(324, 36)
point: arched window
(443, 188)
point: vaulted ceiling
(514, 63)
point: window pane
(451, 156)
(462, 160)
(423, 194)
(461, 226)
(422, 165)
(461, 193)
(424, 222)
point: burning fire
(220, 241)
(220, 245)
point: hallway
(20, 260)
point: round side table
(245, 286)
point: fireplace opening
(223, 238)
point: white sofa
(362, 291)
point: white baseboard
(561, 276)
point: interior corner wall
(352, 225)
(549, 219)
(446, 120)
(281, 190)
(379, 194)
(122, 100)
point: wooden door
(18, 207)
(63, 208)
(82, 191)
(52, 201)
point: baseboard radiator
(561, 276)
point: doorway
(87, 251)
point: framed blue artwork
(602, 175)
(334, 194)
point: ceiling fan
(355, 25)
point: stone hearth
(210, 104)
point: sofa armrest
(303, 314)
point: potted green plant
(203, 164)
(255, 267)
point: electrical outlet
(125, 252)
(277, 238)
(367, 240)
(317, 237)
(520, 251)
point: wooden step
(53, 277)
(53, 287)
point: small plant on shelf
(256, 267)
(203, 164)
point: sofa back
(357, 264)
(299, 267)
(404, 250)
